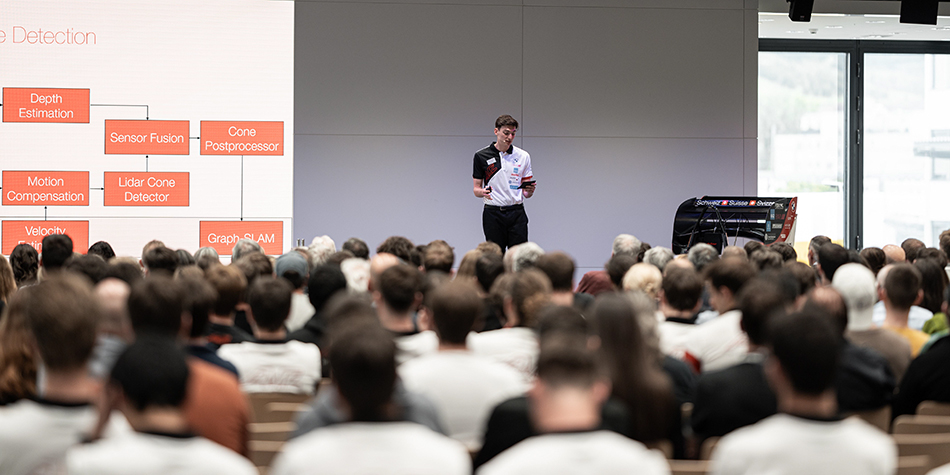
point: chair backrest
(933, 408)
(935, 446)
(880, 418)
(908, 424)
(706, 450)
(689, 467)
(273, 407)
(913, 465)
(664, 446)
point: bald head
(113, 297)
(380, 263)
(892, 254)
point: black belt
(506, 208)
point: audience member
(358, 247)
(245, 247)
(918, 315)
(751, 247)
(25, 262)
(658, 256)
(293, 268)
(559, 267)
(875, 258)
(597, 281)
(616, 268)
(357, 274)
(466, 270)
(438, 256)
(766, 258)
(198, 303)
(397, 246)
(801, 370)
(702, 255)
(900, 292)
(734, 252)
(644, 277)
(893, 254)
(18, 368)
(911, 246)
(57, 248)
(114, 331)
(786, 250)
(813, 246)
(830, 257)
(90, 266)
(934, 285)
(523, 256)
(324, 282)
(102, 249)
(397, 295)
(206, 257)
(230, 284)
(680, 295)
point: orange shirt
(215, 406)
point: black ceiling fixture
(800, 10)
(923, 12)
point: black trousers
(506, 226)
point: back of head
(293, 267)
(455, 306)
(626, 245)
(944, 242)
(155, 306)
(56, 249)
(357, 246)
(617, 267)
(902, 285)
(487, 268)
(933, 282)
(230, 284)
(398, 246)
(806, 346)
(910, 247)
(786, 250)
(830, 257)
(125, 269)
(875, 258)
(113, 297)
(933, 253)
(682, 288)
(525, 255)
(734, 251)
(765, 258)
(399, 286)
(438, 256)
(269, 299)
(91, 266)
(363, 361)
(566, 362)
(357, 273)
(245, 247)
(857, 287)
(198, 301)
(805, 274)
(530, 292)
(343, 309)
(325, 281)
(816, 242)
(760, 300)
(102, 249)
(160, 259)
(469, 261)
(254, 265)
(205, 257)
(730, 273)
(320, 249)
(25, 262)
(63, 316)
(7, 280)
(185, 258)
(559, 267)
(831, 302)
(152, 373)
(644, 277)
(488, 247)
(701, 255)
(658, 256)
(559, 319)
(893, 254)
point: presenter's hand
(529, 190)
(486, 193)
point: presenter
(502, 178)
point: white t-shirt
(673, 335)
(414, 346)
(516, 347)
(599, 452)
(392, 448)
(785, 444)
(285, 367)
(464, 387)
(34, 435)
(717, 344)
(915, 321)
(152, 454)
(300, 311)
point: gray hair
(658, 256)
(245, 247)
(320, 249)
(702, 254)
(525, 255)
(626, 244)
(356, 271)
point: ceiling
(850, 20)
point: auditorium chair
(880, 418)
(935, 446)
(914, 424)
(706, 450)
(689, 467)
(934, 408)
(913, 465)
(272, 416)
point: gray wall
(628, 108)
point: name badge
(491, 161)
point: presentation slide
(128, 121)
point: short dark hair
(25, 262)
(764, 258)
(506, 121)
(439, 256)
(828, 300)
(102, 249)
(816, 242)
(805, 274)
(156, 305)
(559, 319)
(902, 285)
(559, 267)
(731, 273)
(682, 287)
(230, 284)
(752, 246)
(565, 361)
(91, 266)
(933, 253)
(786, 250)
(127, 272)
(357, 246)
(63, 316)
(325, 281)
(760, 301)
(910, 247)
(269, 299)
(617, 267)
(338, 257)
(806, 346)
(455, 306)
(530, 292)
(488, 247)
(56, 249)
(398, 246)
(487, 268)
(415, 257)
(254, 265)
(198, 301)
(160, 258)
(399, 285)
(343, 309)
(875, 258)
(933, 282)
(152, 372)
(831, 256)
(185, 258)
(363, 362)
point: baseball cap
(857, 286)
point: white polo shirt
(503, 172)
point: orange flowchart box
(36, 104)
(33, 232)
(32, 188)
(223, 235)
(143, 137)
(146, 189)
(242, 138)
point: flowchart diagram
(149, 150)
